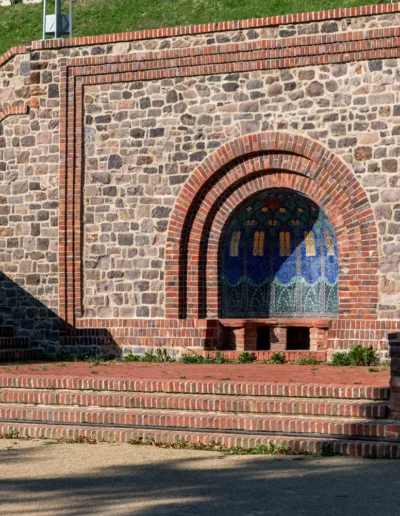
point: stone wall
(89, 178)
(144, 139)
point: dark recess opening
(263, 338)
(298, 338)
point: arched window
(284, 243)
(258, 243)
(310, 243)
(235, 239)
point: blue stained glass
(233, 269)
(291, 270)
(311, 265)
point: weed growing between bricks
(81, 439)
(11, 434)
(270, 449)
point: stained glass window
(329, 244)
(235, 239)
(258, 243)
(284, 243)
(310, 243)
(278, 258)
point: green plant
(277, 358)
(161, 355)
(195, 358)
(131, 358)
(357, 356)
(246, 357)
(81, 439)
(11, 434)
(307, 361)
(218, 358)
(340, 359)
(326, 450)
(363, 356)
(213, 445)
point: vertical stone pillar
(318, 339)
(245, 338)
(278, 339)
(394, 343)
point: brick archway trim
(14, 110)
(265, 151)
(351, 290)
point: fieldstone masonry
(99, 137)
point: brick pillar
(278, 338)
(245, 338)
(318, 339)
(394, 342)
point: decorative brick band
(332, 14)
(14, 110)
(356, 299)
(13, 51)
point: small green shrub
(218, 358)
(161, 355)
(195, 358)
(363, 356)
(11, 434)
(131, 358)
(357, 356)
(277, 358)
(307, 361)
(246, 357)
(340, 359)
(212, 445)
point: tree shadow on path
(179, 482)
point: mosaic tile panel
(279, 259)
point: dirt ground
(43, 479)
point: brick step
(7, 331)
(313, 445)
(290, 390)
(12, 354)
(383, 429)
(14, 342)
(245, 404)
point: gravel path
(120, 480)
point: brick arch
(205, 230)
(348, 245)
(265, 153)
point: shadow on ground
(155, 482)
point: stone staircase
(351, 420)
(14, 348)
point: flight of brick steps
(350, 420)
(14, 348)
